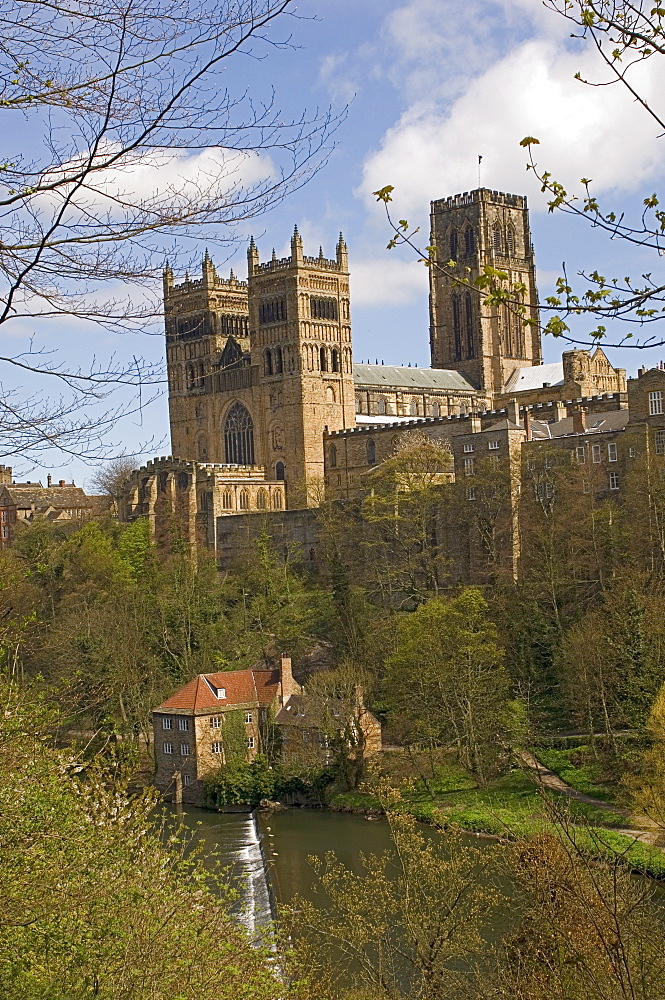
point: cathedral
(268, 413)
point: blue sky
(430, 85)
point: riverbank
(519, 804)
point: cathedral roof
(390, 376)
(535, 377)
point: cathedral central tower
(471, 231)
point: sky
(430, 85)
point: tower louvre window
(454, 244)
(510, 240)
(497, 238)
(323, 308)
(272, 311)
(471, 348)
(239, 436)
(457, 329)
(469, 241)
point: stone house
(308, 729)
(22, 503)
(225, 715)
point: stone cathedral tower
(476, 229)
(300, 332)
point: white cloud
(336, 76)
(432, 151)
(387, 282)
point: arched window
(510, 240)
(435, 409)
(280, 473)
(278, 361)
(470, 344)
(497, 240)
(330, 394)
(335, 360)
(268, 362)
(244, 500)
(277, 501)
(183, 480)
(332, 456)
(371, 452)
(239, 436)
(261, 500)
(381, 405)
(469, 241)
(162, 482)
(189, 375)
(413, 408)
(457, 328)
(227, 500)
(323, 359)
(454, 244)
(201, 375)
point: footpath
(643, 828)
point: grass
(586, 777)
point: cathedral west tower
(473, 230)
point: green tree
(446, 684)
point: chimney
(559, 411)
(61, 482)
(513, 411)
(288, 686)
(527, 423)
(579, 421)
(49, 481)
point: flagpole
(480, 160)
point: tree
(446, 684)
(139, 139)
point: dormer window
(219, 692)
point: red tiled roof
(241, 687)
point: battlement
(231, 284)
(480, 194)
(284, 262)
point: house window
(249, 717)
(468, 447)
(493, 445)
(184, 749)
(631, 452)
(655, 403)
(660, 443)
(595, 453)
(216, 722)
(186, 780)
(168, 748)
(471, 493)
(579, 452)
(469, 467)
(183, 725)
(614, 480)
(611, 452)
(167, 723)
(216, 747)
(250, 742)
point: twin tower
(259, 369)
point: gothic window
(381, 405)
(470, 345)
(371, 453)
(205, 501)
(162, 481)
(469, 241)
(244, 500)
(201, 375)
(332, 456)
(280, 471)
(323, 359)
(457, 328)
(454, 244)
(261, 500)
(268, 362)
(239, 436)
(272, 311)
(510, 240)
(323, 308)
(335, 366)
(277, 501)
(183, 480)
(497, 239)
(227, 500)
(279, 366)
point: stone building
(23, 503)
(268, 412)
